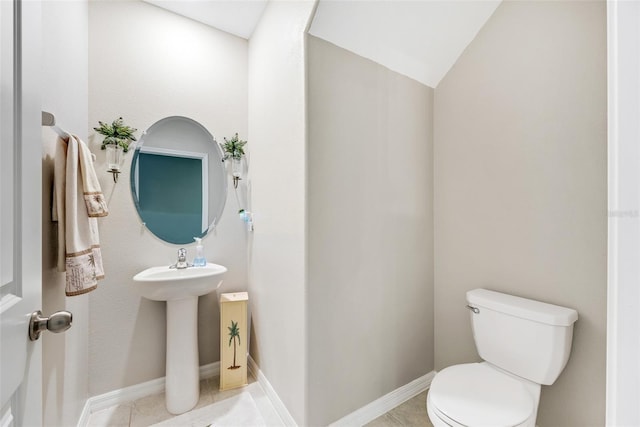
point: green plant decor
(233, 148)
(116, 133)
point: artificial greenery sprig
(233, 148)
(116, 133)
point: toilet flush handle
(475, 310)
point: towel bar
(49, 120)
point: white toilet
(523, 343)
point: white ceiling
(238, 17)
(421, 39)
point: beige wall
(277, 134)
(370, 241)
(146, 64)
(520, 186)
(64, 93)
(518, 193)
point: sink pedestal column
(180, 288)
(182, 388)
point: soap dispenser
(199, 260)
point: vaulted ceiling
(421, 39)
(238, 17)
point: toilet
(523, 344)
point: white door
(20, 212)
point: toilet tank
(528, 338)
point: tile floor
(151, 409)
(411, 413)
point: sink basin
(164, 283)
(180, 288)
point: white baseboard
(359, 417)
(386, 403)
(280, 408)
(134, 392)
(83, 421)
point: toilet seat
(438, 419)
(476, 394)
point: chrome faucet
(182, 260)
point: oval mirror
(178, 180)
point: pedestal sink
(180, 288)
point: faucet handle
(182, 260)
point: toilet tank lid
(536, 311)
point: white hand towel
(78, 201)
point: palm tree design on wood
(234, 333)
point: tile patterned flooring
(411, 413)
(151, 409)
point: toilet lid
(475, 394)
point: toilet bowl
(478, 394)
(524, 344)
